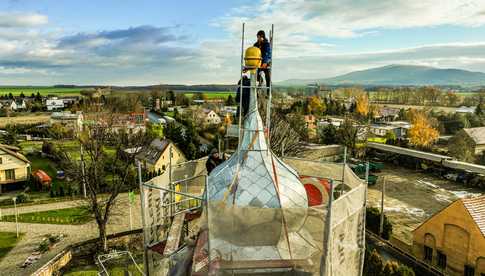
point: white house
(229, 109)
(67, 119)
(466, 109)
(336, 122)
(14, 104)
(54, 104)
(208, 116)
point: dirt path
(34, 233)
(412, 197)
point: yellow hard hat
(252, 57)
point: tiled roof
(154, 151)
(9, 150)
(477, 134)
(476, 208)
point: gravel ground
(34, 233)
(411, 197)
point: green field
(76, 215)
(43, 90)
(210, 94)
(7, 242)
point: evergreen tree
(405, 271)
(328, 135)
(372, 222)
(374, 264)
(390, 269)
(479, 110)
(230, 101)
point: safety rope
(285, 226)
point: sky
(145, 42)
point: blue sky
(128, 42)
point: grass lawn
(43, 90)
(7, 242)
(76, 215)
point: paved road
(34, 233)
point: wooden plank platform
(264, 264)
(174, 234)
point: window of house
(428, 253)
(10, 174)
(441, 260)
(469, 271)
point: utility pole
(83, 171)
(16, 215)
(143, 223)
(383, 191)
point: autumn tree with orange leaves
(362, 104)
(422, 133)
(316, 106)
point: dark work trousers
(267, 77)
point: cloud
(305, 23)
(135, 45)
(152, 54)
(21, 20)
(145, 34)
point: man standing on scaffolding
(265, 46)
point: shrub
(372, 222)
(22, 198)
(43, 246)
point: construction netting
(227, 238)
(346, 245)
(171, 203)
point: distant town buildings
(68, 120)
(474, 137)
(14, 104)
(311, 125)
(154, 118)
(454, 238)
(54, 104)
(399, 128)
(208, 117)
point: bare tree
(106, 169)
(287, 132)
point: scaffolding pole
(270, 86)
(241, 89)
(143, 222)
(325, 266)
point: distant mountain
(400, 75)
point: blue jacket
(265, 48)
